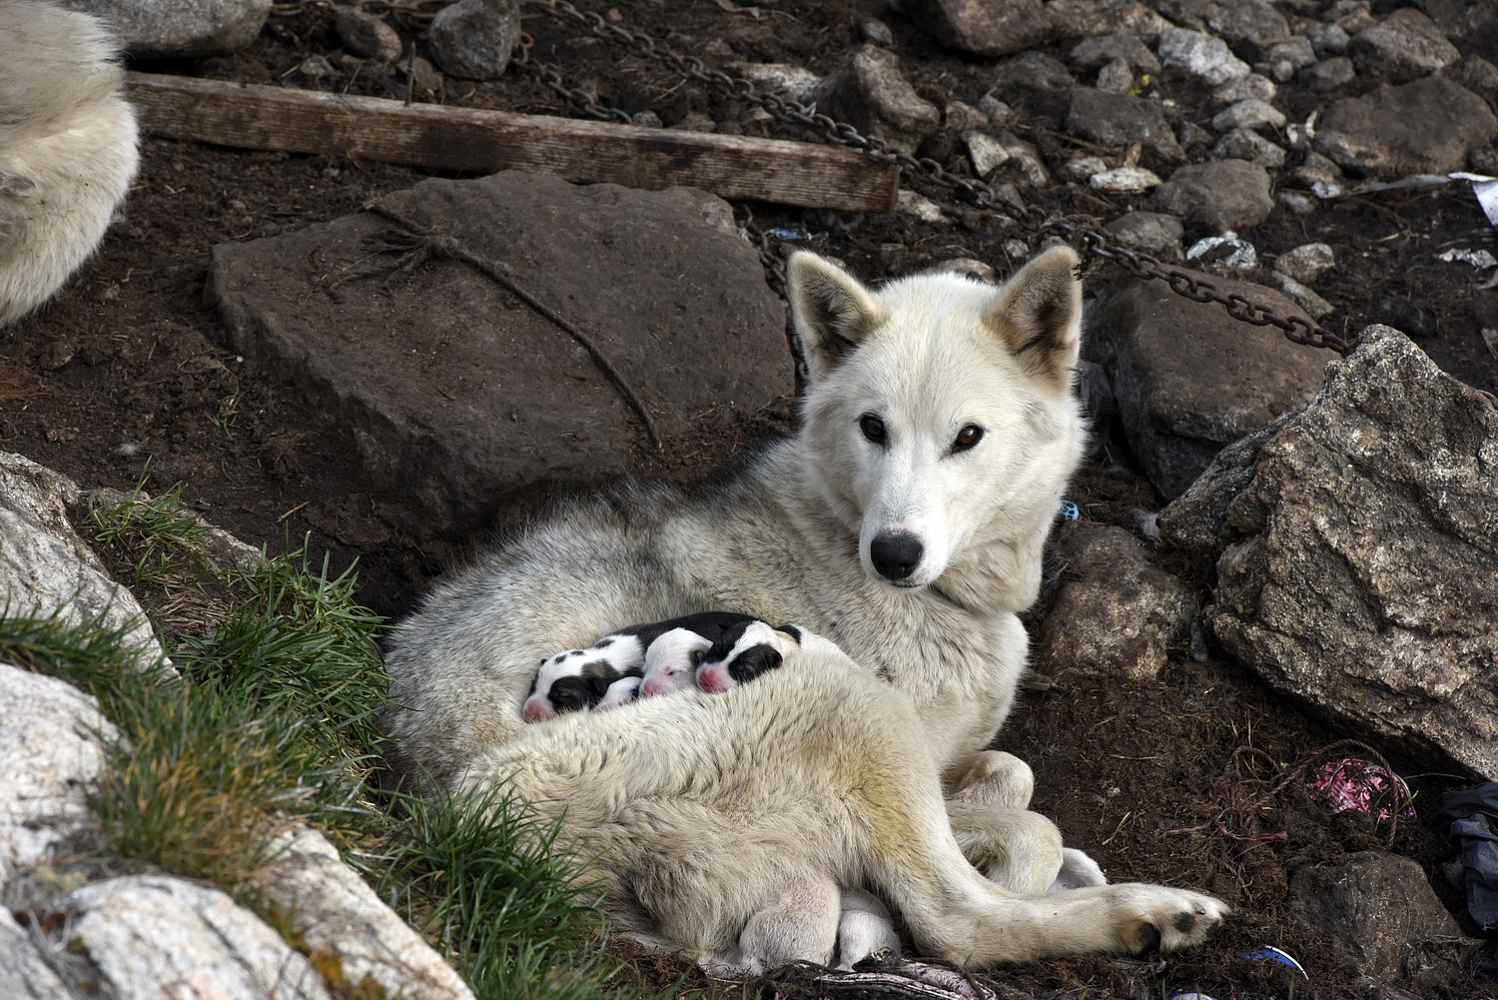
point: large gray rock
(473, 39)
(983, 27)
(1425, 127)
(1118, 614)
(1121, 120)
(154, 29)
(152, 937)
(1201, 56)
(1401, 47)
(1092, 53)
(46, 569)
(1236, 21)
(335, 912)
(459, 394)
(870, 93)
(1365, 588)
(1086, 18)
(1218, 195)
(50, 752)
(1189, 379)
(1379, 911)
(1155, 233)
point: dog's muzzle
(895, 555)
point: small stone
(1250, 113)
(647, 119)
(1016, 249)
(961, 117)
(1025, 156)
(1314, 168)
(1306, 262)
(1484, 161)
(1425, 127)
(1031, 71)
(424, 76)
(1313, 304)
(991, 28)
(986, 152)
(1245, 88)
(1081, 168)
(1218, 195)
(367, 36)
(1296, 202)
(1246, 144)
(316, 68)
(472, 39)
(1090, 18)
(915, 204)
(1115, 77)
(996, 110)
(1352, 16)
(1191, 135)
(1151, 232)
(873, 30)
(1406, 45)
(1096, 52)
(1329, 74)
(871, 93)
(1124, 180)
(1327, 39)
(1289, 56)
(1201, 56)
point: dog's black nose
(896, 556)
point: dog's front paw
(1154, 916)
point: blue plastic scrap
(1069, 511)
(1272, 954)
(1473, 815)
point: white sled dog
(904, 523)
(67, 147)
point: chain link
(1141, 265)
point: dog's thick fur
(729, 822)
(68, 147)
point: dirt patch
(126, 374)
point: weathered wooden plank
(433, 135)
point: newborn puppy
(647, 659)
(746, 650)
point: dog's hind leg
(996, 778)
(799, 925)
(1015, 848)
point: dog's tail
(954, 912)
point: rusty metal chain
(1144, 266)
(414, 12)
(551, 77)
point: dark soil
(125, 376)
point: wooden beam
(449, 138)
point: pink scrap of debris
(1353, 783)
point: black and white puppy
(745, 651)
(648, 659)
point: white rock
(1250, 113)
(795, 82)
(1242, 258)
(1252, 86)
(1207, 58)
(1306, 262)
(24, 974)
(1124, 180)
(986, 152)
(48, 756)
(335, 911)
(1314, 305)
(46, 569)
(916, 204)
(1115, 77)
(153, 937)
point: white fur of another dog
(68, 147)
(906, 523)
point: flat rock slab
(1190, 379)
(1365, 589)
(1425, 127)
(458, 391)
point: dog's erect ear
(1039, 315)
(832, 310)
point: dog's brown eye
(872, 427)
(967, 437)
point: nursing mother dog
(902, 527)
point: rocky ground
(1293, 125)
